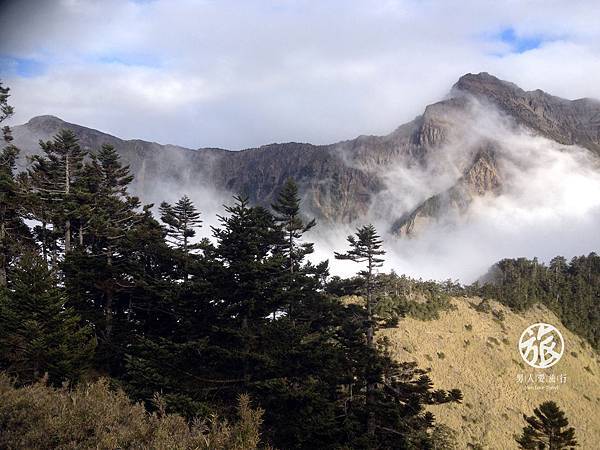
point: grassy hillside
(477, 352)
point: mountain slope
(477, 353)
(342, 182)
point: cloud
(549, 204)
(238, 74)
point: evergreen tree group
(92, 284)
(571, 289)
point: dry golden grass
(478, 354)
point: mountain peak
(43, 119)
(485, 84)
(46, 123)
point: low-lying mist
(548, 204)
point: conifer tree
(365, 247)
(38, 333)
(180, 221)
(247, 240)
(57, 176)
(114, 210)
(217, 338)
(547, 429)
(107, 275)
(100, 275)
(13, 231)
(249, 282)
(10, 220)
(104, 187)
(304, 278)
(287, 215)
(5, 109)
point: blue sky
(242, 73)
(517, 43)
(21, 67)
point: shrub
(484, 306)
(93, 416)
(498, 314)
(443, 438)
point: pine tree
(114, 211)
(217, 347)
(226, 340)
(100, 275)
(304, 277)
(13, 232)
(6, 111)
(246, 245)
(38, 333)
(180, 221)
(57, 177)
(103, 186)
(287, 215)
(548, 428)
(365, 247)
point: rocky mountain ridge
(342, 182)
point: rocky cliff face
(481, 178)
(564, 121)
(339, 182)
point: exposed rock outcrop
(481, 178)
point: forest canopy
(93, 284)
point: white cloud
(244, 73)
(549, 204)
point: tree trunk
(3, 256)
(291, 239)
(44, 246)
(108, 302)
(371, 344)
(54, 246)
(67, 192)
(2, 270)
(246, 348)
(35, 369)
(67, 236)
